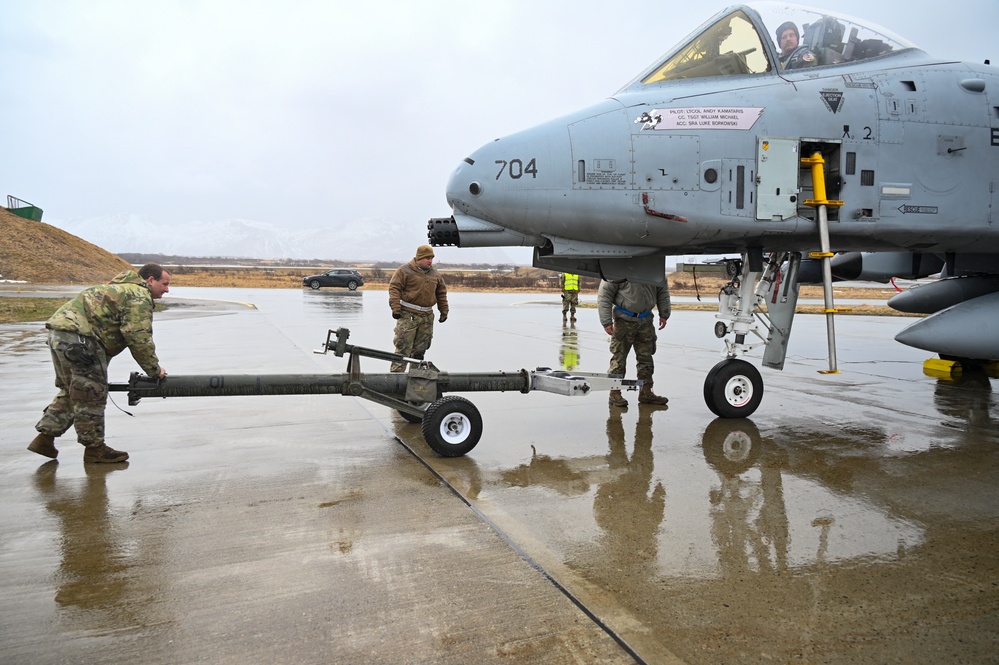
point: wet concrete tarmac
(853, 518)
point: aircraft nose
(464, 185)
(486, 193)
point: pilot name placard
(708, 117)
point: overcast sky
(322, 112)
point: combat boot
(104, 454)
(563, 318)
(44, 444)
(617, 399)
(646, 396)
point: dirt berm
(39, 253)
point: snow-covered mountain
(362, 240)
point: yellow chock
(939, 368)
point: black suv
(336, 277)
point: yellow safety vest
(570, 282)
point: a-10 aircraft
(814, 145)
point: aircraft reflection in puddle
(777, 508)
(744, 507)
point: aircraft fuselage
(911, 151)
(772, 131)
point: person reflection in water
(628, 508)
(92, 575)
(568, 356)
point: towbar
(451, 425)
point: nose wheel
(733, 389)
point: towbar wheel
(452, 426)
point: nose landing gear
(733, 388)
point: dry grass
(249, 278)
(39, 309)
(42, 254)
(681, 284)
(21, 310)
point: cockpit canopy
(772, 36)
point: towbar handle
(137, 384)
(336, 341)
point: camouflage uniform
(640, 335)
(84, 334)
(413, 292)
(629, 307)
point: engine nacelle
(873, 267)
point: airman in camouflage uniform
(625, 311)
(413, 291)
(84, 334)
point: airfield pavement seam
(516, 548)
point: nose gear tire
(733, 389)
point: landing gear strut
(751, 313)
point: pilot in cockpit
(792, 54)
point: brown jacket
(412, 284)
